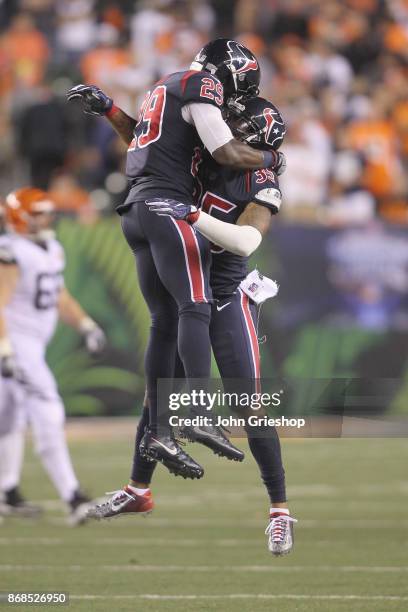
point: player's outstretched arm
(123, 125)
(241, 156)
(242, 239)
(96, 102)
(72, 313)
(225, 149)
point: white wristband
(86, 325)
(5, 347)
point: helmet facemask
(257, 122)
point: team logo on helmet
(272, 133)
(240, 62)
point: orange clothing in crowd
(377, 141)
(26, 53)
(100, 62)
(396, 38)
(400, 118)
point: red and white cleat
(123, 502)
(280, 533)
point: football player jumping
(236, 210)
(32, 298)
(181, 112)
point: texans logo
(239, 61)
(272, 135)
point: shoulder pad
(270, 197)
(200, 86)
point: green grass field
(204, 549)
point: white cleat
(280, 534)
(79, 515)
(79, 507)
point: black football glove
(94, 337)
(165, 207)
(94, 101)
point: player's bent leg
(12, 432)
(52, 448)
(47, 419)
(209, 435)
(162, 346)
(182, 259)
(12, 439)
(11, 453)
(159, 363)
(234, 341)
(164, 281)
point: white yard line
(259, 523)
(251, 596)
(114, 541)
(124, 522)
(213, 568)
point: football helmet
(30, 211)
(257, 122)
(233, 64)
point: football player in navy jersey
(180, 113)
(237, 208)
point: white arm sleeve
(239, 239)
(210, 125)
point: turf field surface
(203, 549)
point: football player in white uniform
(32, 299)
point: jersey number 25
(210, 203)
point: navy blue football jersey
(161, 156)
(224, 194)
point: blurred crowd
(336, 69)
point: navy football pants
(235, 345)
(173, 265)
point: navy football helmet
(257, 122)
(233, 64)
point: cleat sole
(99, 517)
(177, 471)
(231, 456)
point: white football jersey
(33, 309)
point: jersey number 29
(149, 126)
